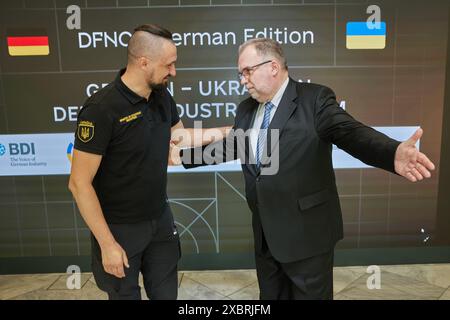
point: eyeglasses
(245, 73)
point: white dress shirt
(260, 115)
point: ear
(143, 62)
(275, 67)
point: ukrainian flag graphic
(360, 36)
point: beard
(158, 86)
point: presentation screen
(386, 62)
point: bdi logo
(2, 150)
(18, 149)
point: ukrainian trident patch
(85, 131)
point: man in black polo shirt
(119, 172)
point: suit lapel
(247, 120)
(250, 118)
(284, 111)
(245, 124)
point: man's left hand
(410, 162)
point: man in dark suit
(297, 218)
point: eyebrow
(244, 68)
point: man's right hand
(113, 259)
(174, 155)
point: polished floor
(402, 282)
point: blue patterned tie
(262, 135)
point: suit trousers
(153, 249)
(306, 279)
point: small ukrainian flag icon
(366, 35)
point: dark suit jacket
(298, 207)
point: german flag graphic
(31, 43)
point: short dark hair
(155, 30)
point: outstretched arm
(195, 137)
(335, 125)
(182, 137)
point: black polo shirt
(133, 135)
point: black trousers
(153, 249)
(308, 279)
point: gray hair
(266, 47)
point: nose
(244, 80)
(172, 71)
